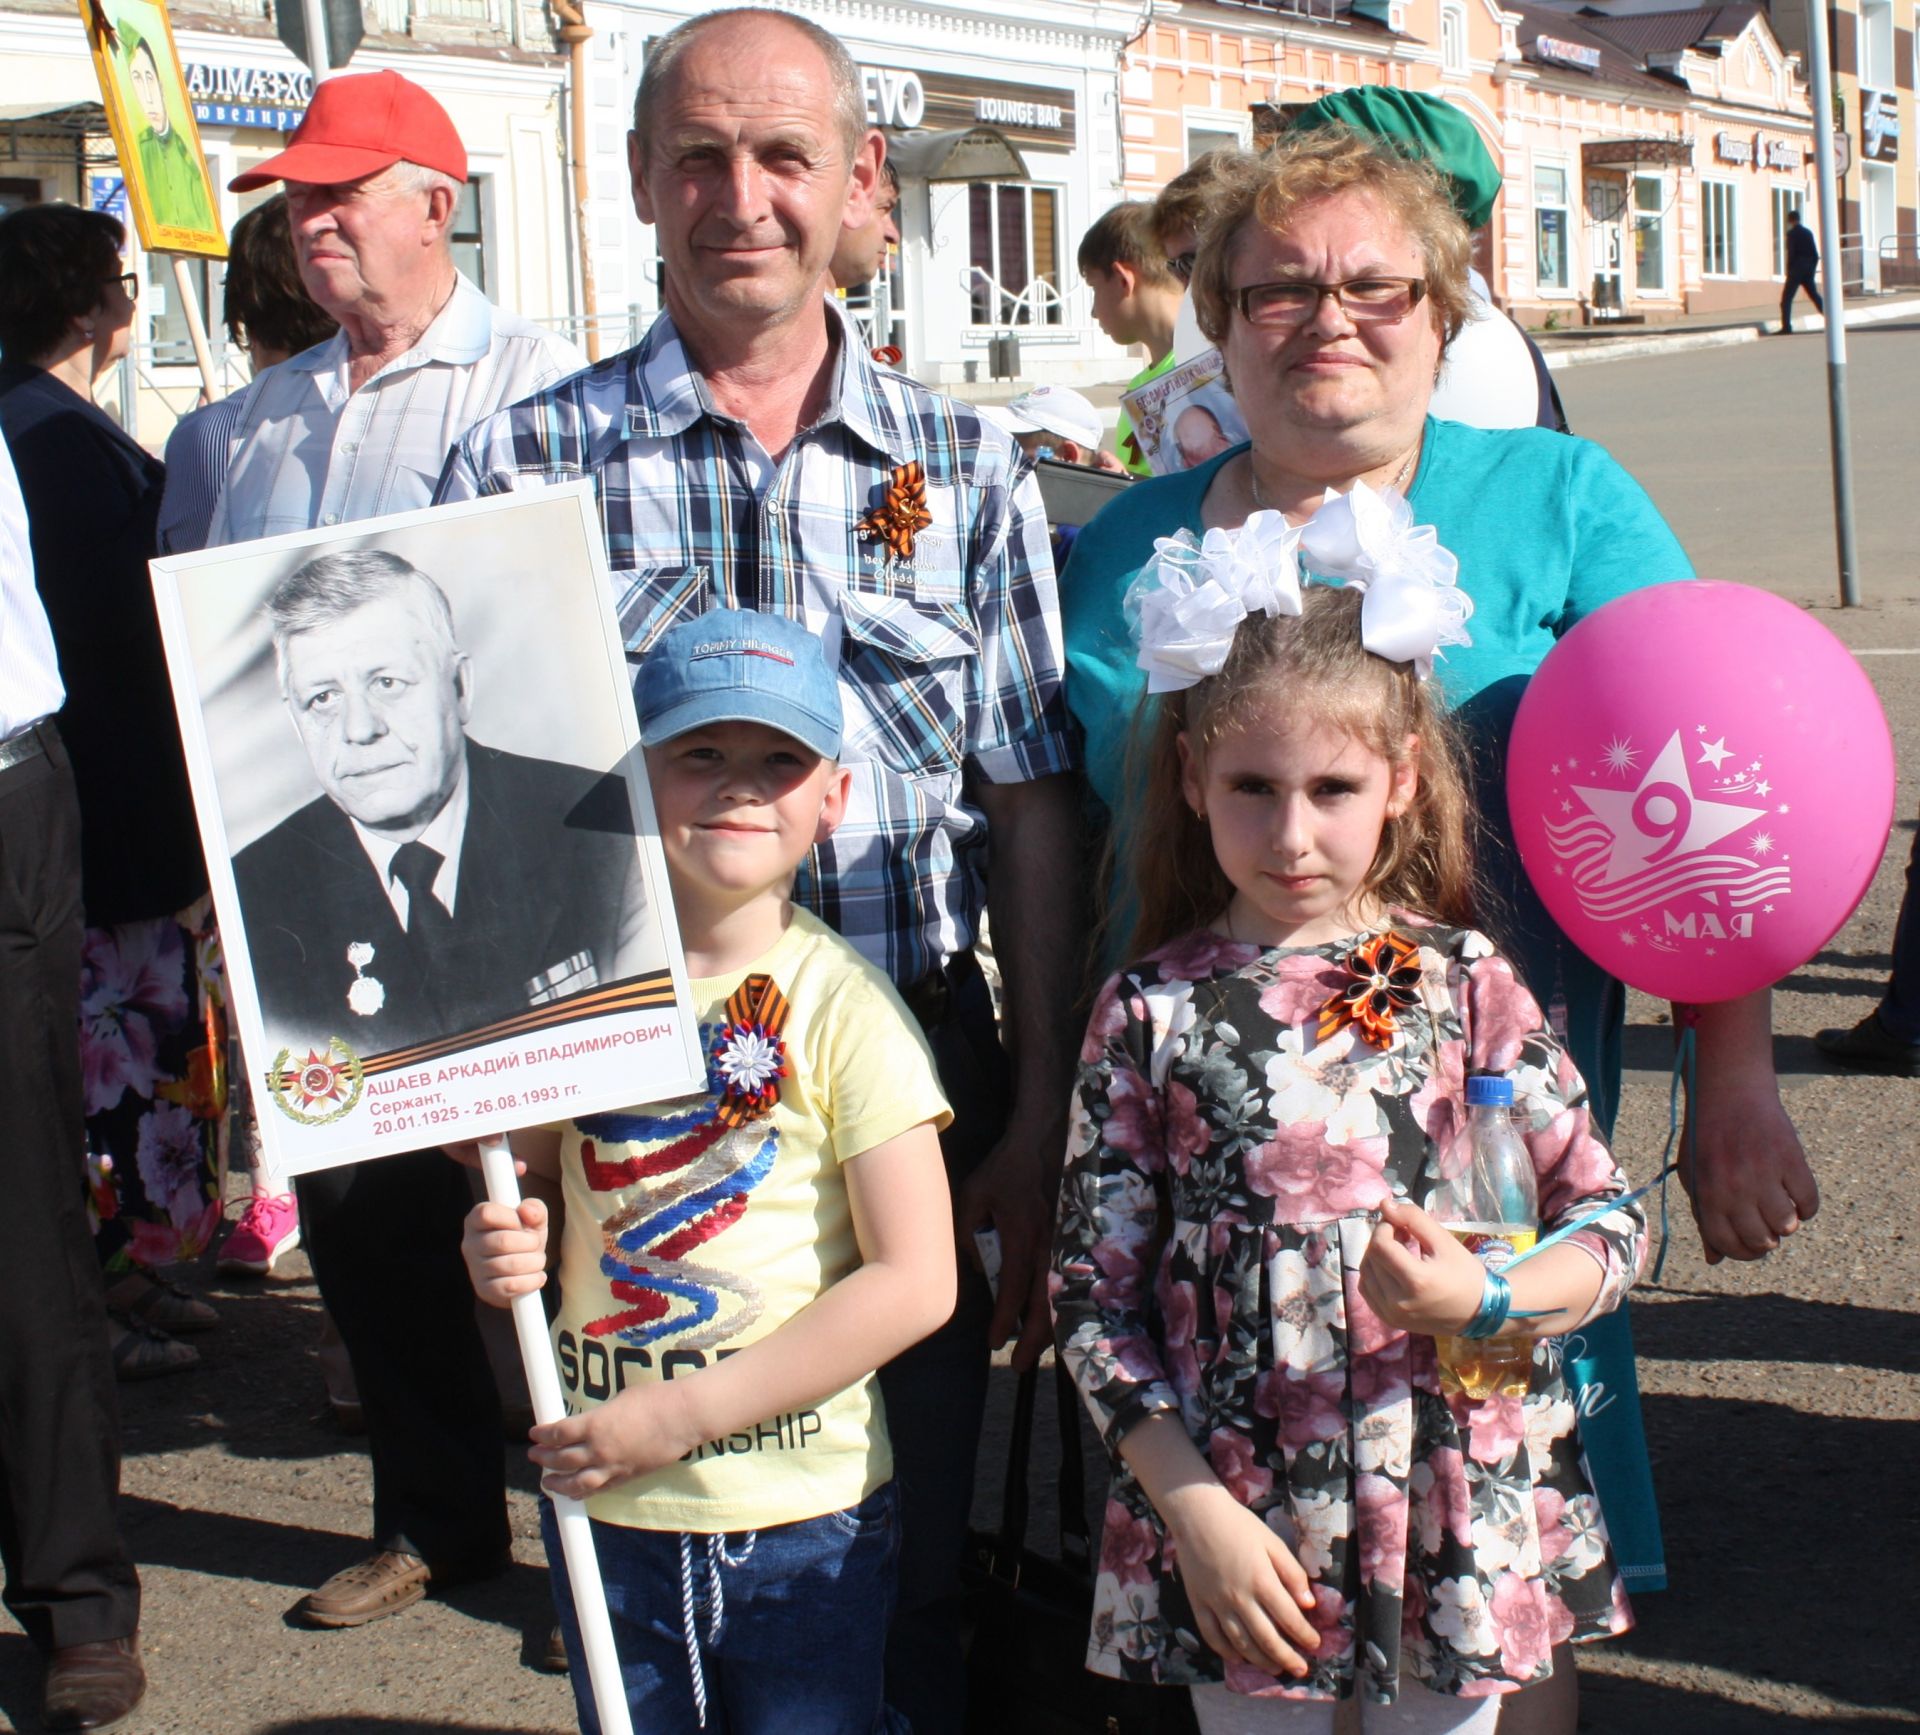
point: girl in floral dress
(1246, 1289)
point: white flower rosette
(1414, 603)
(1191, 597)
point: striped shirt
(196, 460)
(947, 644)
(308, 450)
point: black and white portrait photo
(445, 882)
(413, 746)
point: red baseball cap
(358, 124)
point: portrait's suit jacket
(548, 871)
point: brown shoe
(381, 1585)
(93, 1686)
(554, 1658)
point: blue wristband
(1496, 1302)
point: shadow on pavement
(357, 1725)
(1613, 1705)
(1791, 1557)
(1695, 1325)
(1866, 987)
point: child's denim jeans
(781, 1630)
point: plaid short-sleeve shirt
(946, 637)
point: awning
(40, 129)
(1637, 153)
(969, 154)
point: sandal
(161, 1304)
(141, 1353)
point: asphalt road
(1782, 1399)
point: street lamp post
(1820, 75)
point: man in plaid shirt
(748, 454)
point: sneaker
(268, 1227)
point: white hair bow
(1414, 603)
(1190, 599)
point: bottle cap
(1489, 1090)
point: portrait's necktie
(428, 923)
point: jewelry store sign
(274, 97)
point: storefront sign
(947, 102)
(1000, 111)
(275, 97)
(894, 98)
(1733, 147)
(1567, 53)
(1879, 126)
(1785, 154)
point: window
(1453, 39)
(1719, 228)
(1876, 44)
(469, 233)
(1551, 267)
(1014, 240)
(1650, 234)
(171, 335)
(1786, 199)
(1201, 139)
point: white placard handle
(576, 1532)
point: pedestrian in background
(1136, 299)
(749, 454)
(354, 427)
(1803, 263)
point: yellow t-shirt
(688, 1237)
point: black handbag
(1026, 1669)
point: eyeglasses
(1364, 300)
(1181, 265)
(130, 282)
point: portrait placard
(1186, 416)
(150, 114)
(417, 772)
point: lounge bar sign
(249, 96)
(901, 99)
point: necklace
(1399, 479)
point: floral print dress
(1224, 1171)
(153, 1073)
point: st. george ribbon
(576, 1530)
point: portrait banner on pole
(417, 772)
(150, 114)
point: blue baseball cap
(736, 665)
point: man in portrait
(169, 167)
(436, 884)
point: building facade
(1648, 158)
(492, 63)
(1004, 125)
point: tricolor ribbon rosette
(1191, 597)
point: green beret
(1421, 126)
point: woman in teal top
(1332, 275)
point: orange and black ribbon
(902, 514)
(1386, 982)
(750, 1051)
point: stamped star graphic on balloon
(1662, 818)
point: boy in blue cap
(735, 1265)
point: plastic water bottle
(1491, 1203)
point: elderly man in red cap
(355, 427)
(360, 425)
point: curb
(1673, 343)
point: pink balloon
(1701, 785)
